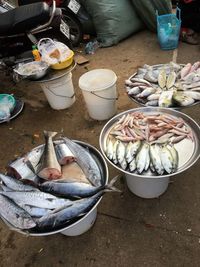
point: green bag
(146, 9)
(114, 20)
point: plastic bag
(5, 108)
(53, 52)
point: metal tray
(104, 176)
(16, 111)
(189, 152)
(142, 104)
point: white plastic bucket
(99, 92)
(59, 92)
(147, 187)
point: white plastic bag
(53, 52)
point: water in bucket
(99, 92)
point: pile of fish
(39, 194)
(168, 85)
(141, 142)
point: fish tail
(111, 187)
(48, 134)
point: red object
(188, 1)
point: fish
(171, 80)
(15, 184)
(35, 211)
(121, 150)
(165, 99)
(76, 209)
(36, 198)
(186, 70)
(139, 80)
(132, 165)
(166, 159)
(131, 150)
(195, 66)
(64, 155)
(150, 77)
(152, 103)
(183, 100)
(148, 91)
(72, 172)
(76, 189)
(162, 78)
(85, 161)
(49, 169)
(15, 215)
(193, 94)
(163, 139)
(154, 96)
(134, 91)
(114, 159)
(141, 157)
(123, 164)
(109, 149)
(175, 156)
(155, 159)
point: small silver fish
(153, 97)
(183, 100)
(175, 156)
(134, 91)
(141, 158)
(148, 91)
(166, 159)
(155, 159)
(121, 150)
(152, 103)
(132, 165)
(109, 149)
(116, 143)
(193, 94)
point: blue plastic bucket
(168, 30)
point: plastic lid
(97, 80)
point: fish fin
(49, 134)
(111, 187)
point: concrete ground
(129, 230)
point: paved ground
(129, 231)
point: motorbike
(23, 26)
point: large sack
(114, 20)
(147, 10)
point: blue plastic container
(168, 30)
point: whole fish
(183, 100)
(155, 159)
(150, 77)
(85, 161)
(162, 78)
(152, 103)
(134, 91)
(166, 159)
(132, 165)
(142, 157)
(153, 97)
(185, 70)
(109, 149)
(50, 169)
(123, 164)
(64, 155)
(121, 151)
(171, 80)
(76, 189)
(36, 199)
(15, 215)
(131, 150)
(15, 184)
(175, 156)
(193, 94)
(148, 91)
(165, 99)
(69, 212)
(116, 143)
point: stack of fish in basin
(51, 187)
(167, 85)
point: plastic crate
(168, 30)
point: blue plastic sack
(168, 30)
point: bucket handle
(114, 98)
(65, 96)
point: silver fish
(109, 149)
(152, 103)
(183, 100)
(64, 155)
(166, 159)
(69, 212)
(155, 159)
(76, 189)
(141, 157)
(49, 169)
(123, 164)
(85, 161)
(36, 199)
(150, 77)
(15, 184)
(193, 94)
(121, 150)
(15, 215)
(175, 156)
(134, 91)
(132, 165)
(153, 97)
(35, 211)
(116, 143)
(148, 91)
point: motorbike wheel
(75, 28)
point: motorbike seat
(24, 18)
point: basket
(11, 100)
(64, 64)
(168, 30)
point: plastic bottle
(36, 53)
